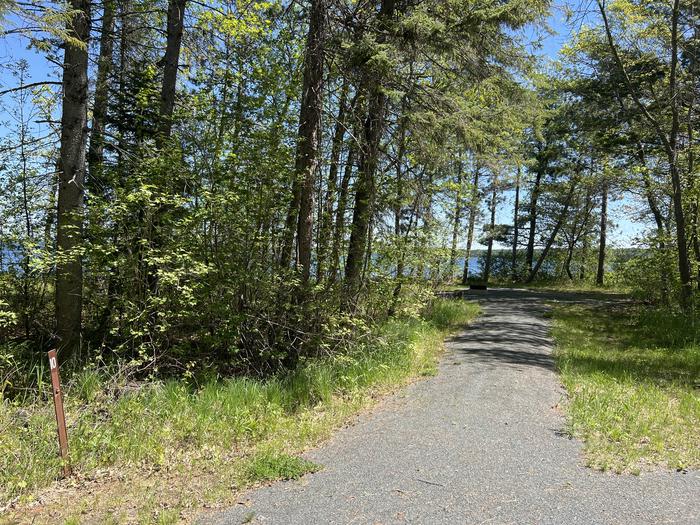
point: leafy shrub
(115, 421)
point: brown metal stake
(60, 416)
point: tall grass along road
(485, 441)
(159, 452)
(633, 377)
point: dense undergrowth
(247, 429)
(633, 378)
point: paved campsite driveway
(479, 443)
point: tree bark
(492, 225)
(516, 212)
(309, 136)
(71, 179)
(600, 276)
(364, 193)
(473, 209)
(553, 236)
(101, 100)
(171, 62)
(456, 221)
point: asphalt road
(481, 442)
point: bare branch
(27, 86)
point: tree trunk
(678, 211)
(101, 100)
(171, 62)
(492, 225)
(398, 208)
(456, 222)
(125, 29)
(584, 233)
(664, 273)
(584, 257)
(603, 230)
(427, 226)
(534, 197)
(473, 209)
(668, 140)
(653, 205)
(71, 178)
(516, 211)
(332, 189)
(309, 136)
(567, 263)
(553, 236)
(694, 68)
(339, 228)
(364, 193)
(681, 240)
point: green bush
(146, 424)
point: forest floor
(484, 441)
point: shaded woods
(250, 184)
(231, 217)
(241, 184)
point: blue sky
(14, 48)
(624, 230)
(622, 210)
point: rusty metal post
(60, 415)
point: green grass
(229, 433)
(557, 285)
(633, 379)
(270, 466)
(567, 285)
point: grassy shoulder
(563, 285)
(159, 453)
(632, 375)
